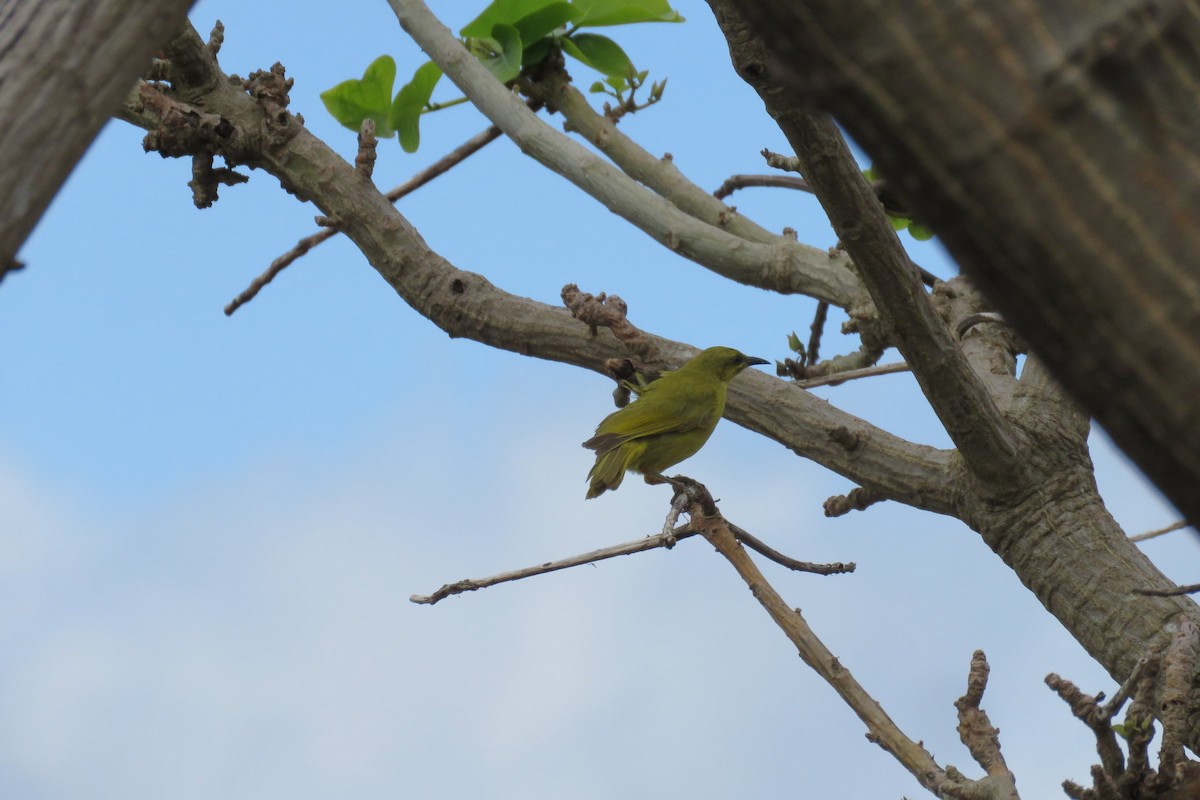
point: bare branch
(1177, 591)
(813, 351)
(976, 731)
(958, 396)
(835, 378)
(865, 357)
(665, 540)
(434, 170)
(735, 182)
(786, 267)
(760, 547)
(1174, 526)
(1088, 710)
(880, 727)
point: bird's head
(724, 363)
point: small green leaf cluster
(506, 37)
(916, 229)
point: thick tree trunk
(1047, 521)
(65, 67)
(1055, 150)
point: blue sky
(210, 526)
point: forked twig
(666, 539)
(437, 168)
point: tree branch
(735, 182)
(667, 540)
(954, 390)
(1174, 526)
(785, 267)
(434, 170)
(880, 728)
(835, 378)
(466, 304)
(553, 87)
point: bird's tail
(609, 469)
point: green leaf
(410, 101)
(618, 84)
(545, 21)
(503, 12)
(920, 232)
(870, 174)
(535, 52)
(505, 61)
(352, 101)
(597, 13)
(600, 53)
(794, 343)
(596, 87)
(899, 223)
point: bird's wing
(681, 408)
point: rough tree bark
(61, 54)
(1055, 149)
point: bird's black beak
(751, 361)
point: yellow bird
(670, 420)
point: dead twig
(735, 182)
(813, 352)
(684, 490)
(624, 549)
(1190, 588)
(1175, 526)
(760, 547)
(834, 378)
(437, 168)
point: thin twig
(835, 378)
(625, 549)
(1190, 588)
(763, 549)
(442, 165)
(686, 490)
(813, 353)
(735, 182)
(1175, 526)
